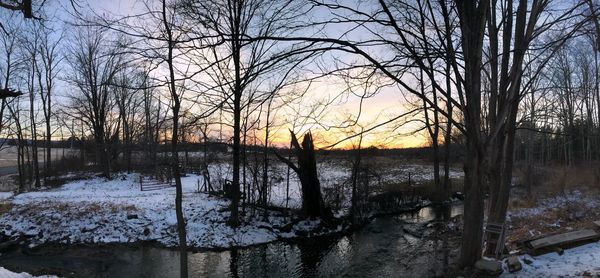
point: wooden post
(141, 179)
(495, 234)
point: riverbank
(5, 273)
(562, 212)
(407, 245)
(582, 261)
(117, 211)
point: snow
(577, 262)
(331, 173)
(5, 273)
(108, 211)
(569, 199)
(5, 195)
(116, 211)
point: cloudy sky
(387, 103)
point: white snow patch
(105, 211)
(572, 198)
(5, 273)
(5, 195)
(577, 262)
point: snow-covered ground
(554, 214)
(5, 273)
(561, 202)
(108, 211)
(582, 261)
(331, 174)
(101, 211)
(564, 212)
(5, 195)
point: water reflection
(426, 214)
(233, 263)
(381, 249)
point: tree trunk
(472, 237)
(181, 225)
(312, 201)
(472, 24)
(237, 98)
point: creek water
(382, 248)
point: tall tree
(390, 25)
(241, 66)
(47, 72)
(95, 63)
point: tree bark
(312, 201)
(181, 225)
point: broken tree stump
(312, 201)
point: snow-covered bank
(117, 211)
(101, 211)
(568, 201)
(5, 195)
(5, 273)
(582, 261)
(564, 212)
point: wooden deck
(561, 241)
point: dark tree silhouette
(312, 201)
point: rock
(301, 233)
(489, 266)
(527, 260)
(459, 195)
(513, 264)
(559, 251)
(9, 245)
(146, 231)
(132, 216)
(414, 230)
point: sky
(377, 109)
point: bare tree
(32, 55)
(94, 66)
(467, 67)
(239, 65)
(47, 72)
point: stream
(382, 248)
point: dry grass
(5, 207)
(525, 202)
(8, 154)
(573, 217)
(552, 180)
(425, 189)
(77, 209)
(549, 182)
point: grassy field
(8, 155)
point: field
(8, 154)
